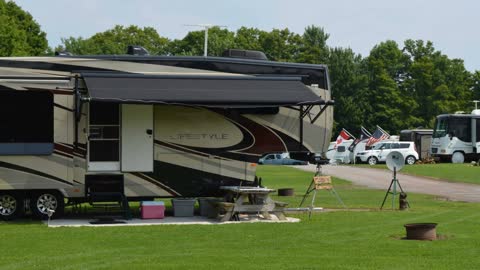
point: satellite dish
(395, 161)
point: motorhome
(85, 128)
(456, 137)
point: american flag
(378, 135)
(364, 134)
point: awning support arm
(306, 111)
(301, 128)
(320, 112)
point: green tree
(280, 45)
(437, 83)
(348, 83)
(314, 47)
(20, 34)
(249, 38)
(116, 40)
(193, 43)
(391, 106)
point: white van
(381, 149)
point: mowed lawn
(465, 173)
(364, 238)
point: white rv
(76, 129)
(342, 154)
(330, 153)
(456, 137)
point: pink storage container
(152, 210)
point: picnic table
(251, 200)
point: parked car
(280, 159)
(380, 151)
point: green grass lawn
(331, 240)
(442, 171)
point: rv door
(137, 138)
(103, 137)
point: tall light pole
(206, 27)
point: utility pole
(206, 27)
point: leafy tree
(437, 83)
(249, 38)
(280, 44)
(390, 106)
(116, 40)
(348, 83)
(314, 47)
(193, 43)
(20, 34)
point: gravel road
(380, 179)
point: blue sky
(451, 25)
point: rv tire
(41, 202)
(11, 205)
(458, 157)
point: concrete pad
(196, 220)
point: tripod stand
(392, 189)
(318, 172)
(319, 182)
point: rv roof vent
(235, 53)
(476, 112)
(137, 50)
(63, 53)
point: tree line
(396, 86)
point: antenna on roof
(206, 27)
(476, 111)
(476, 103)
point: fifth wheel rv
(79, 129)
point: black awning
(199, 90)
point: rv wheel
(42, 203)
(372, 160)
(11, 206)
(458, 157)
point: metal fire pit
(421, 231)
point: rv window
(341, 149)
(461, 128)
(478, 129)
(26, 122)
